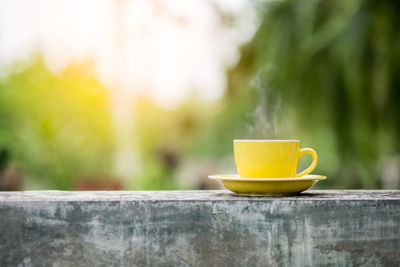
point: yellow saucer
(267, 186)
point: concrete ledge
(199, 228)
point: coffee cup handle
(313, 164)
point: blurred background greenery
(325, 72)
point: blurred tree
(56, 127)
(327, 72)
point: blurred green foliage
(56, 127)
(322, 71)
(327, 72)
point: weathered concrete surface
(199, 228)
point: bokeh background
(148, 95)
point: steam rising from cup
(264, 120)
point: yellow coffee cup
(270, 158)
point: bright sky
(166, 48)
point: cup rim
(266, 140)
